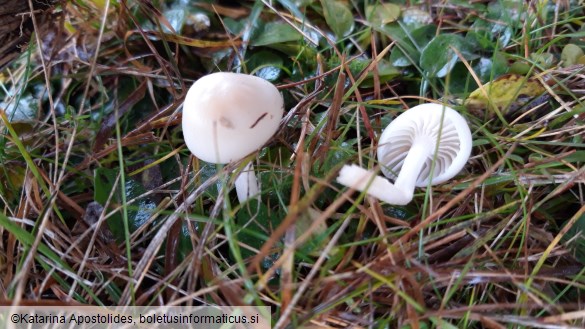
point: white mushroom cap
(422, 124)
(427, 135)
(227, 116)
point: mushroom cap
(422, 124)
(227, 116)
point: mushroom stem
(412, 166)
(247, 183)
(379, 187)
(401, 192)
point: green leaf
(254, 224)
(176, 17)
(571, 54)
(386, 72)
(497, 28)
(520, 67)
(303, 54)
(293, 7)
(338, 17)
(265, 64)
(104, 182)
(274, 32)
(408, 50)
(382, 13)
(543, 60)
(234, 26)
(439, 56)
(578, 156)
(480, 39)
(489, 68)
(415, 18)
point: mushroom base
(379, 187)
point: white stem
(247, 183)
(379, 187)
(401, 192)
(413, 164)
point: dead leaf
(507, 93)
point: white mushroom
(227, 116)
(428, 142)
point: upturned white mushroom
(429, 142)
(227, 116)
